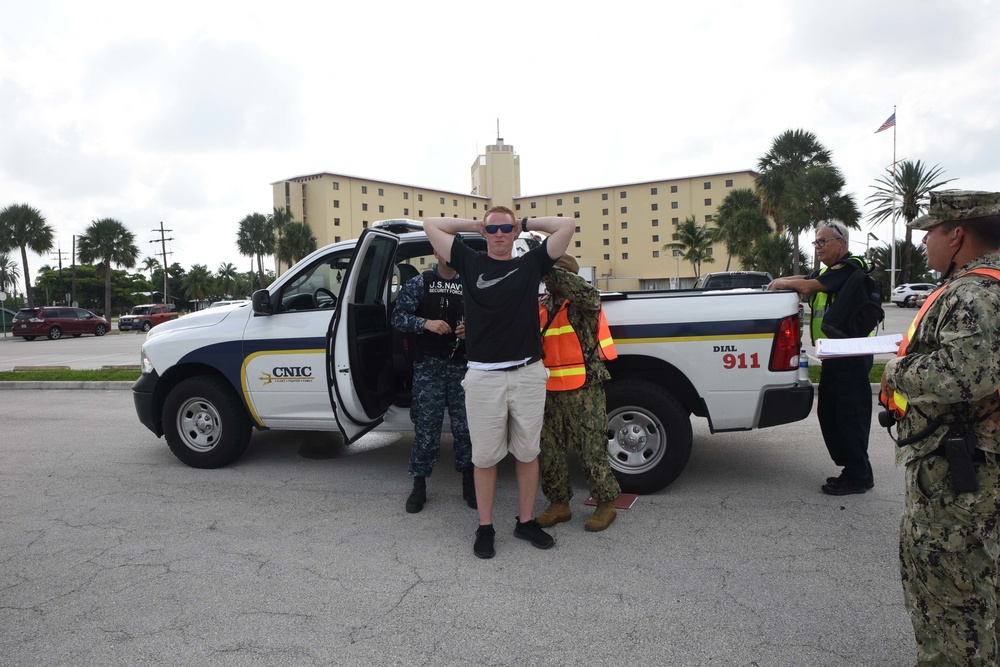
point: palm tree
(881, 259)
(150, 264)
(791, 153)
(9, 273)
(739, 222)
(814, 196)
(227, 274)
(197, 283)
(24, 227)
(255, 239)
(110, 242)
(908, 191)
(695, 241)
(297, 242)
(773, 253)
(279, 218)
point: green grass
(117, 375)
(875, 376)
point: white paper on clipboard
(857, 347)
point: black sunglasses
(506, 229)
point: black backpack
(856, 309)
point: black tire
(28, 337)
(205, 423)
(100, 330)
(146, 326)
(649, 435)
(910, 302)
(55, 333)
(900, 304)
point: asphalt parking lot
(114, 553)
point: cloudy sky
(185, 112)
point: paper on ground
(856, 347)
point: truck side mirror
(261, 302)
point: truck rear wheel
(204, 423)
(649, 435)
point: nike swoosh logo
(483, 284)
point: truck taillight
(787, 344)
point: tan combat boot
(601, 518)
(555, 513)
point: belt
(533, 360)
(978, 455)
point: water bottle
(803, 365)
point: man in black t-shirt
(505, 384)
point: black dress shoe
(846, 486)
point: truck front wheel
(204, 423)
(146, 326)
(649, 435)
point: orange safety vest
(562, 352)
(897, 402)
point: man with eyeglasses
(844, 406)
(504, 384)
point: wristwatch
(524, 224)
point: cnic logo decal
(287, 374)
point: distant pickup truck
(315, 352)
(145, 317)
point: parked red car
(55, 322)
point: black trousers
(845, 413)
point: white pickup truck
(315, 351)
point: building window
(708, 185)
(576, 214)
(336, 203)
(607, 256)
(622, 194)
(336, 185)
(674, 221)
(442, 201)
(624, 225)
(533, 204)
(607, 241)
(420, 213)
(652, 191)
(656, 238)
(364, 189)
(517, 207)
(454, 202)
(655, 222)
(336, 239)
(655, 206)
(577, 244)
(559, 202)
(624, 240)
(423, 260)
(656, 253)
(606, 226)
(577, 229)
(624, 209)
(709, 251)
(604, 197)
(708, 201)
(708, 218)
(674, 204)
(420, 197)
(729, 182)
(576, 200)
(364, 224)
(604, 211)
(676, 237)
(475, 205)
(624, 255)
(336, 222)
(381, 209)
(406, 195)
(406, 211)
(364, 207)
(381, 192)
(673, 188)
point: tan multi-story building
(621, 229)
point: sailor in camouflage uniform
(946, 378)
(432, 306)
(575, 417)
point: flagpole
(892, 261)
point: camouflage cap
(948, 205)
(569, 263)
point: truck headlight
(145, 363)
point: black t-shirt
(835, 276)
(501, 302)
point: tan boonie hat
(569, 263)
(948, 205)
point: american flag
(889, 122)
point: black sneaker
(483, 548)
(837, 479)
(847, 486)
(418, 496)
(531, 531)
